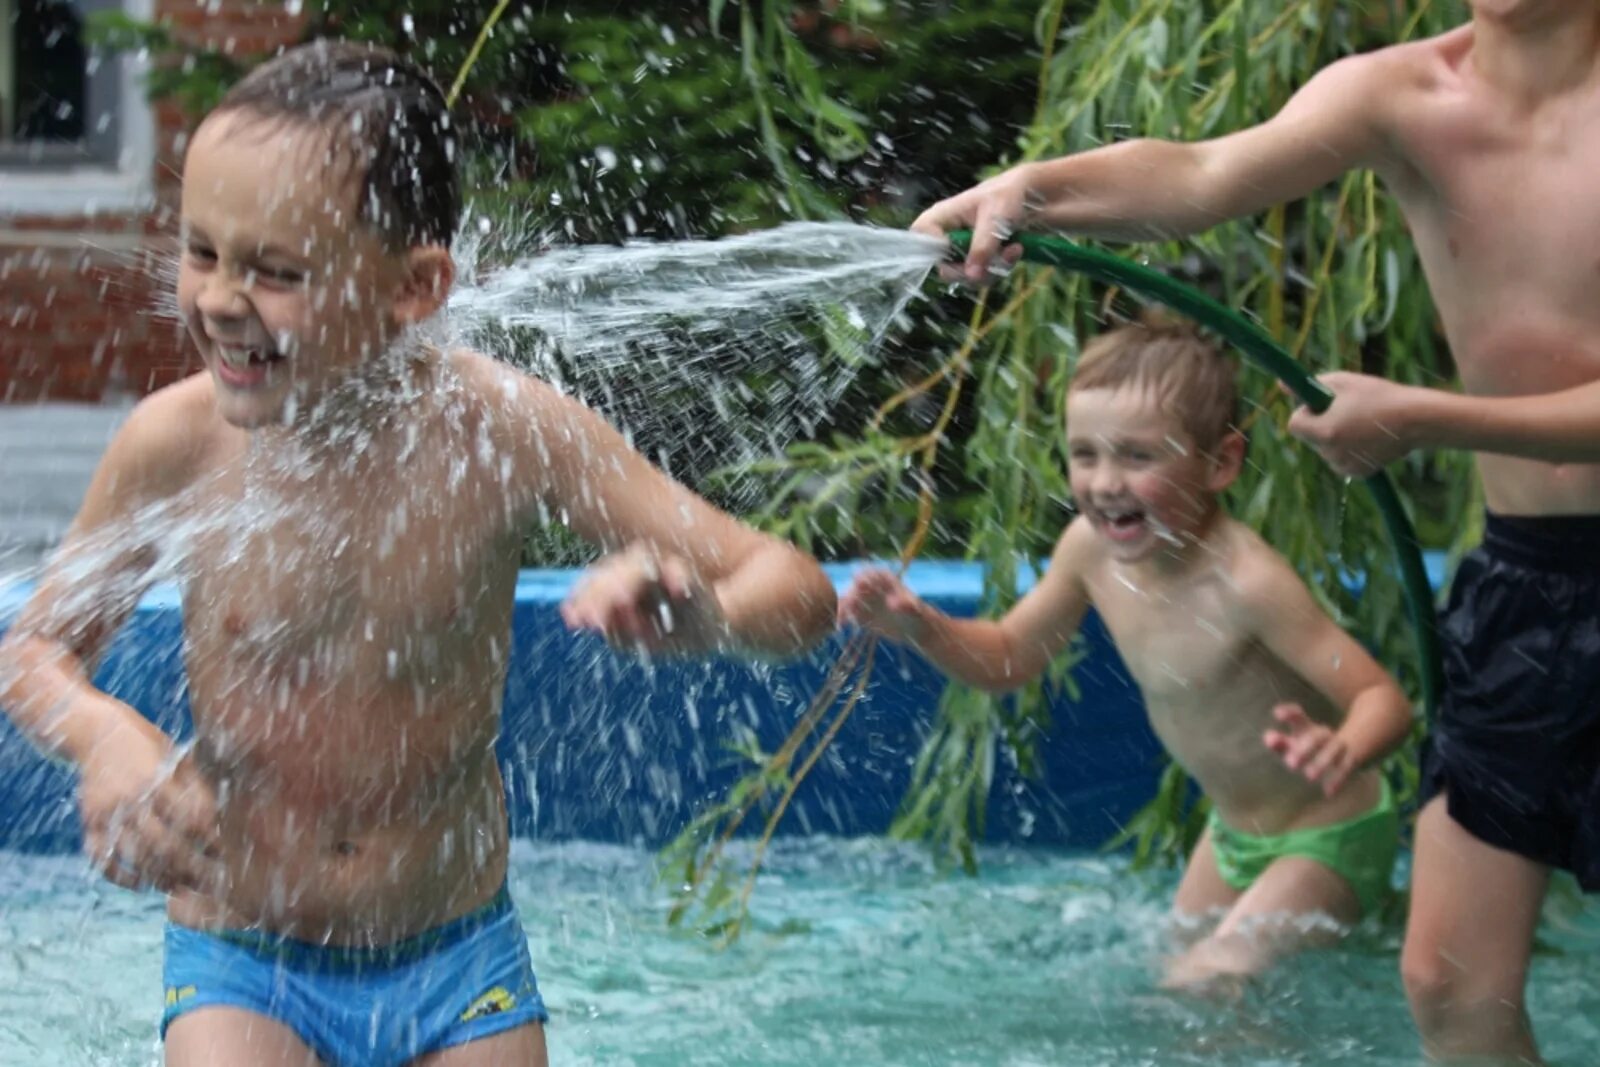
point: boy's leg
(1296, 903)
(1201, 898)
(1202, 892)
(1474, 909)
(215, 1035)
(522, 1047)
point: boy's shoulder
(1396, 69)
(1261, 579)
(493, 382)
(168, 435)
(1078, 546)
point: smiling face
(1140, 478)
(284, 292)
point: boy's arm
(1373, 422)
(762, 594)
(148, 818)
(92, 583)
(1153, 189)
(1008, 653)
(1286, 620)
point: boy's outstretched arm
(681, 576)
(996, 655)
(1147, 189)
(148, 817)
(1373, 422)
(1289, 623)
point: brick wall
(85, 300)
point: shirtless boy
(1489, 139)
(343, 505)
(1275, 711)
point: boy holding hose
(1453, 125)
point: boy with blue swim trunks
(1488, 137)
(1277, 713)
(342, 504)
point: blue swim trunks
(468, 979)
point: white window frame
(84, 189)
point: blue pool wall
(603, 747)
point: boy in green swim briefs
(1277, 712)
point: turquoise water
(860, 955)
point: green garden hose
(1267, 354)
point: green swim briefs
(1360, 850)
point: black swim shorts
(1516, 745)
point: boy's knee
(1445, 998)
(1430, 982)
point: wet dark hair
(385, 123)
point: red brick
(77, 320)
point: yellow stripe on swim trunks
(494, 1002)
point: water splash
(711, 351)
(703, 351)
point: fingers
(676, 578)
(103, 858)
(933, 222)
(937, 221)
(1294, 749)
(1329, 767)
(870, 593)
(989, 230)
(145, 853)
(1300, 739)
(1292, 716)
(1304, 425)
(632, 599)
(187, 805)
(1308, 747)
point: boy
(1489, 139)
(343, 505)
(1227, 647)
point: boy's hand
(641, 600)
(879, 602)
(149, 817)
(1364, 429)
(1310, 748)
(993, 210)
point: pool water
(859, 954)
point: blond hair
(1192, 377)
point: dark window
(58, 99)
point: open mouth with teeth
(244, 366)
(1123, 524)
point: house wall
(84, 292)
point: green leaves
(717, 117)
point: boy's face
(284, 291)
(1138, 476)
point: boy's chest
(320, 576)
(1178, 647)
(1507, 207)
